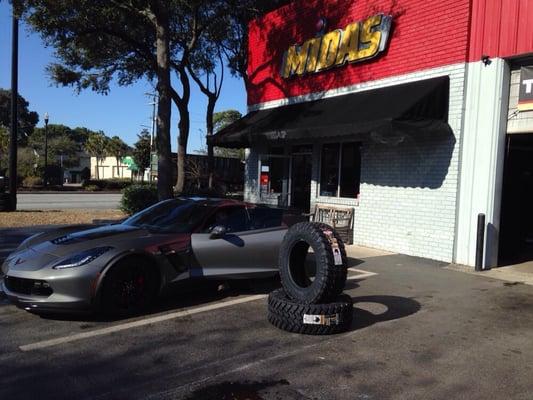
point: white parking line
(135, 324)
(361, 274)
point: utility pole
(14, 114)
(152, 135)
(46, 117)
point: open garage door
(516, 233)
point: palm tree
(118, 149)
(96, 146)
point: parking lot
(420, 331)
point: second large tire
(330, 263)
(310, 319)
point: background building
(108, 169)
(405, 112)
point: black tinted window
(264, 217)
(179, 216)
(235, 219)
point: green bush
(32, 181)
(137, 197)
(91, 188)
(108, 184)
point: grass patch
(55, 217)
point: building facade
(107, 168)
(405, 112)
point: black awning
(412, 107)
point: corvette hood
(27, 260)
(110, 235)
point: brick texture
(425, 35)
(408, 191)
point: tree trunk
(182, 146)
(184, 126)
(164, 161)
(209, 126)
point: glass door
(301, 171)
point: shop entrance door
(302, 163)
(516, 226)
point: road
(420, 331)
(67, 200)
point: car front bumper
(71, 291)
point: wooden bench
(339, 217)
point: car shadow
(181, 296)
(396, 307)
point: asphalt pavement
(68, 200)
(421, 331)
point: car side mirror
(217, 232)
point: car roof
(211, 201)
(220, 202)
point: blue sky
(122, 112)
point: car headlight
(82, 258)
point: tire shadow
(397, 307)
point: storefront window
(274, 178)
(329, 174)
(340, 170)
(350, 170)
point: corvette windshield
(173, 216)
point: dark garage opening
(516, 233)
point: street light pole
(14, 114)
(46, 117)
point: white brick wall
(408, 191)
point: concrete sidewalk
(518, 273)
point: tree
(142, 151)
(61, 144)
(220, 120)
(235, 43)
(27, 119)
(211, 89)
(97, 41)
(96, 146)
(4, 146)
(29, 163)
(118, 149)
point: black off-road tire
(320, 319)
(330, 277)
(129, 288)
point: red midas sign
(357, 42)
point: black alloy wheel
(129, 288)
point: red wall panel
(501, 28)
(425, 34)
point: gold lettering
(328, 50)
(370, 38)
(312, 58)
(349, 47)
(358, 41)
(295, 60)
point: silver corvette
(121, 268)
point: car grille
(28, 286)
